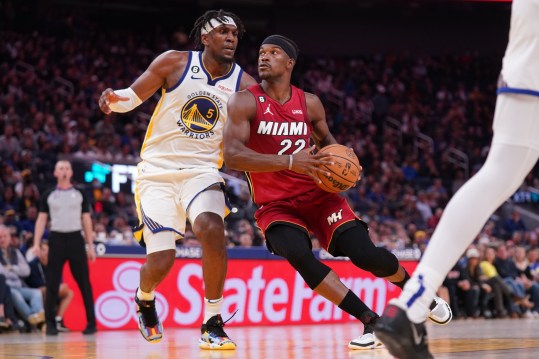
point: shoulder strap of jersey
(186, 70)
(256, 90)
(303, 101)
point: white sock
(145, 296)
(58, 318)
(212, 308)
(418, 293)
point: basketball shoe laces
(216, 325)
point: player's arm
(157, 75)
(317, 115)
(246, 81)
(241, 108)
(241, 111)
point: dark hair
(284, 43)
(213, 14)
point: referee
(69, 211)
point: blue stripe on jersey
(239, 80)
(213, 81)
(162, 229)
(185, 71)
(149, 222)
(156, 227)
(417, 294)
(213, 184)
(513, 90)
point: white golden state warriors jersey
(186, 129)
(520, 63)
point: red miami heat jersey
(280, 130)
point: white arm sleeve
(125, 106)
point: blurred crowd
(50, 82)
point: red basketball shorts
(317, 211)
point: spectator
(438, 192)
(9, 144)
(423, 206)
(501, 291)
(482, 290)
(245, 240)
(27, 301)
(10, 201)
(508, 271)
(526, 277)
(36, 279)
(7, 312)
(533, 259)
(513, 224)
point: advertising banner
(258, 291)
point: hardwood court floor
(507, 338)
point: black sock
(402, 282)
(351, 304)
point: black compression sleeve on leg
(294, 244)
(402, 282)
(356, 244)
(351, 304)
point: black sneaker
(51, 329)
(149, 324)
(90, 329)
(61, 326)
(213, 336)
(403, 339)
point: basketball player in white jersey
(181, 156)
(513, 153)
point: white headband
(213, 23)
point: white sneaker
(365, 341)
(441, 314)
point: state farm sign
(261, 291)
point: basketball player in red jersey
(268, 135)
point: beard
(224, 59)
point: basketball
(344, 172)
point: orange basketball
(344, 172)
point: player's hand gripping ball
(344, 172)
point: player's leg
(160, 255)
(162, 220)
(353, 241)
(294, 245)
(513, 154)
(206, 213)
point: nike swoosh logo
(417, 337)
(196, 78)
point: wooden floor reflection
(514, 338)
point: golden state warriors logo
(199, 115)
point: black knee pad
(295, 245)
(311, 270)
(356, 244)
